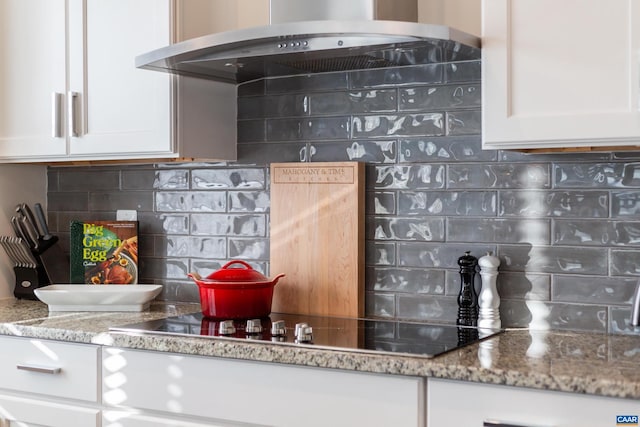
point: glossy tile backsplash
(565, 226)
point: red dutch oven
(235, 292)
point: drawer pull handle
(56, 119)
(71, 120)
(40, 369)
(495, 423)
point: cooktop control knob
(278, 328)
(226, 328)
(304, 333)
(254, 327)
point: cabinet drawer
(258, 393)
(27, 412)
(118, 418)
(471, 404)
(49, 367)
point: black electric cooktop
(335, 333)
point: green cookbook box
(103, 252)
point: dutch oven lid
(234, 274)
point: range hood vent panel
(325, 65)
(311, 47)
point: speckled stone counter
(589, 363)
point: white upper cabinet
(118, 108)
(71, 91)
(32, 43)
(558, 74)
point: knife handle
(16, 228)
(20, 232)
(26, 211)
(42, 221)
(29, 232)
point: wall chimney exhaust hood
(304, 38)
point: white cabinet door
(560, 73)
(119, 108)
(460, 403)
(32, 68)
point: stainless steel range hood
(295, 45)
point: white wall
(462, 15)
(220, 15)
(18, 184)
(224, 15)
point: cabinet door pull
(56, 117)
(40, 369)
(71, 120)
(495, 423)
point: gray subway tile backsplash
(267, 153)
(134, 200)
(450, 203)
(463, 122)
(599, 175)
(190, 201)
(372, 126)
(378, 253)
(470, 176)
(498, 230)
(237, 178)
(248, 201)
(318, 128)
(429, 308)
(462, 148)
(87, 179)
(167, 179)
(573, 204)
(463, 71)
(566, 227)
(554, 259)
(600, 290)
(625, 204)
(353, 102)
(416, 177)
(430, 98)
(383, 151)
(380, 202)
(307, 83)
(428, 229)
(395, 77)
(406, 280)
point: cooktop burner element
(335, 333)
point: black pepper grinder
(467, 298)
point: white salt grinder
(489, 300)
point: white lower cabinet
(226, 392)
(47, 383)
(451, 403)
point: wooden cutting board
(317, 238)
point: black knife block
(52, 266)
(29, 279)
(54, 261)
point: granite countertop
(588, 363)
